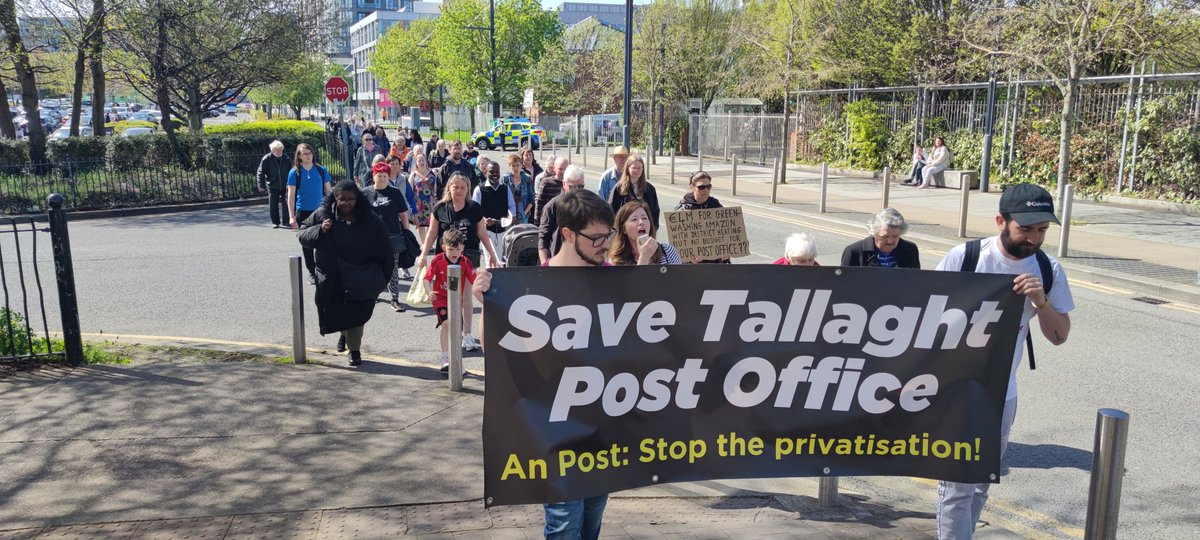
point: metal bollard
(827, 491)
(733, 177)
(605, 167)
(296, 271)
(585, 153)
(455, 315)
(775, 181)
(672, 165)
(824, 187)
(1108, 468)
(887, 186)
(965, 191)
(1065, 234)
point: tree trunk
(162, 91)
(27, 80)
(7, 129)
(1066, 123)
(77, 90)
(96, 56)
(195, 115)
(650, 146)
(270, 110)
(296, 111)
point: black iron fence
(24, 322)
(97, 184)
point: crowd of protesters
(360, 238)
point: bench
(953, 178)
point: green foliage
(14, 341)
(303, 86)
(14, 152)
(120, 127)
(869, 135)
(295, 127)
(403, 64)
(523, 30)
(77, 149)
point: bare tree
(189, 56)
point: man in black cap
(1026, 212)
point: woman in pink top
(800, 250)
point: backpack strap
(971, 257)
(1047, 282)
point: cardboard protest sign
(604, 379)
(709, 233)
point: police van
(510, 131)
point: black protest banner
(603, 379)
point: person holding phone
(635, 243)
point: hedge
(248, 140)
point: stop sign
(337, 90)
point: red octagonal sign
(337, 90)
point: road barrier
(673, 166)
(827, 491)
(1065, 233)
(775, 181)
(1108, 468)
(964, 190)
(455, 315)
(733, 177)
(887, 186)
(296, 273)
(824, 187)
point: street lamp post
(491, 29)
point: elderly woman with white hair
(799, 250)
(884, 248)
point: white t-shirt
(993, 261)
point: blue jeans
(959, 505)
(575, 520)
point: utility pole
(628, 99)
(495, 85)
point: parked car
(134, 131)
(140, 115)
(64, 132)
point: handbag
(399, 246)
(361, 282)
(418, 296)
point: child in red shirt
(435, 282)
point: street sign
(337, 90)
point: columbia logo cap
(1028, 204)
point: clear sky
(551, 4)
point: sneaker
(341, 346)
(312, 278)
(469, 343)
(405, 274)
(397, 306)
(355, 358)
(445, 366)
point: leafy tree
(576, 74)
(703, 49)
(405, 64)
(1085, 32)
(304, 86)
(523, 31)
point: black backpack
(971, 259)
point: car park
(64, 132)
